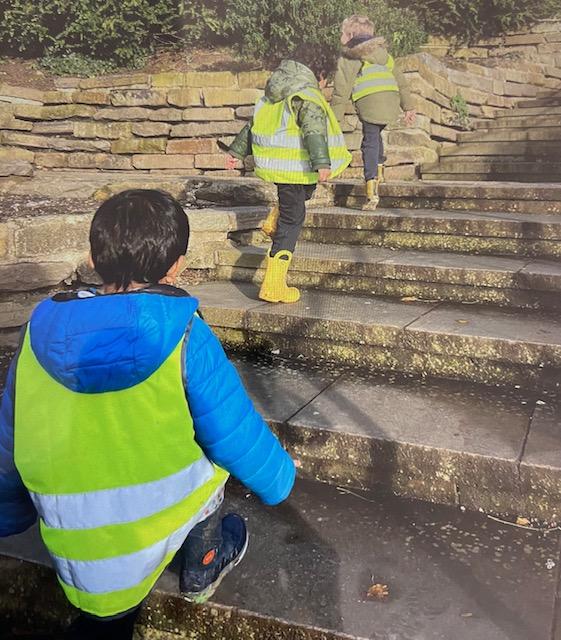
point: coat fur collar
(371, 50)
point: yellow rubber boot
(274, 288)
(380, 177)
(271, 221)
(372, 198)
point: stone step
(447, 195)
(490, 175)
(507, 134)
(529, 111)
(478, 168)
(479, 344)
(449, 231)
(529, 149)
(516, 282)
(465, 196)
(545, 101)
(311, 563)
(519, 122)
(500, 164)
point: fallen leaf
(462, 321)
(409, 299)
(467, 615)
(523, 522)
(378, 591)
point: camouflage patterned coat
(289, 78)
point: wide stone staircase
(424, 360)
(439, 314)
(520, 144)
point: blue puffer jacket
(97, 343)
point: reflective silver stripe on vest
(282, 164)
(374, 68)
(375, 82)
(283, 141)
(259, 106)
(93, 509)
(277, 141)
(127, 571)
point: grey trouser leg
(372, 149)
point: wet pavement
(449, 574)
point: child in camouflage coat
(293, 146)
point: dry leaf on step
(378, 592)
(523, 522)
(462, 321)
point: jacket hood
(373, 50)
(94, 343)
(290, 77)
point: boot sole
(201, 597)
(276, 301)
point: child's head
(138, 237)
(356, 26)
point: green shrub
(76, 64)
(119, 30)
(261, 29)
(469, 20)
(459, 106)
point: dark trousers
(207, 535)
(372, 148)
(87, 627)
(292, 212)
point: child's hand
(410, 117)
(231, 162)
(324, 174)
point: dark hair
(316, 58)
(137, 235)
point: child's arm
(312, 121)
(17, 512)
(227, 427)
(345, 75)
(241, 147)
(405, 96)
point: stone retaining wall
(539, 44)
(174, 121)
(44, 243)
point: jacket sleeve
(227, 427)
(17, 512)
(345, 75)
(312, 121)
(407, 103)
(241, 147)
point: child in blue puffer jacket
(120, 421)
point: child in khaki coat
(366, 73)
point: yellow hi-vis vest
(117, 478)
(375, 78)
(277, 144)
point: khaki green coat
(377, 108)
